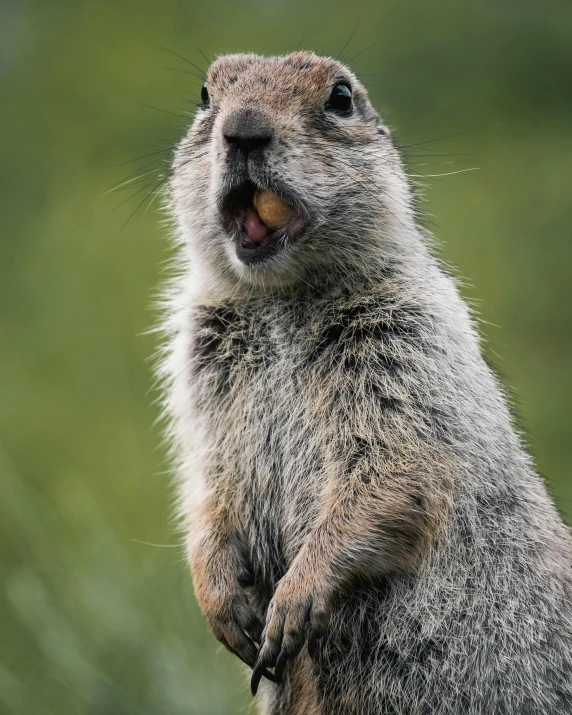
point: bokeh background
(96, 606)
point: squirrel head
(287, 173)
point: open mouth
(261, 222)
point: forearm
(216, 552)
(376, 521)
(373, 521)
(222, 578)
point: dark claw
(265, 672)
(280, 665)
(257, 673)
(269, 676)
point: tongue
(254, 228)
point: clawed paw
(295, 615)
(236, 625)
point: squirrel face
(286, 169)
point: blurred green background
(97, 613)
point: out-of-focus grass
(94, 620)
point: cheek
(192, 181)
(296, 158)
(202, 130)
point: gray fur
(333, 405)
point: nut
(271, 208)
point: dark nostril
(247, 129)
(248, 143)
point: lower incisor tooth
(271, 208)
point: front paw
(300, 609)
(233, 620)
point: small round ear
(379, 125)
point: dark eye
(340, 99)
(205, 99)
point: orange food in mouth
(257, 218)
(271, 208)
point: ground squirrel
(364, 526)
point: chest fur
(267, 380)
(255, 397)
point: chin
(267, 267)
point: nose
(247, 130)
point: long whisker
(450, 173)
(153, 191)
(165, 111)
(130, 181)
(191, 74)
(159, 180)
(137, 173)
(145, 156)
(351, 59)
(209, 62)
(146, 186)
(175, 54)
(337, 57)
(464, 153)
(439, 139)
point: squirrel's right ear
(380, 126)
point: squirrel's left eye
(340, 99)
(205, 99)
